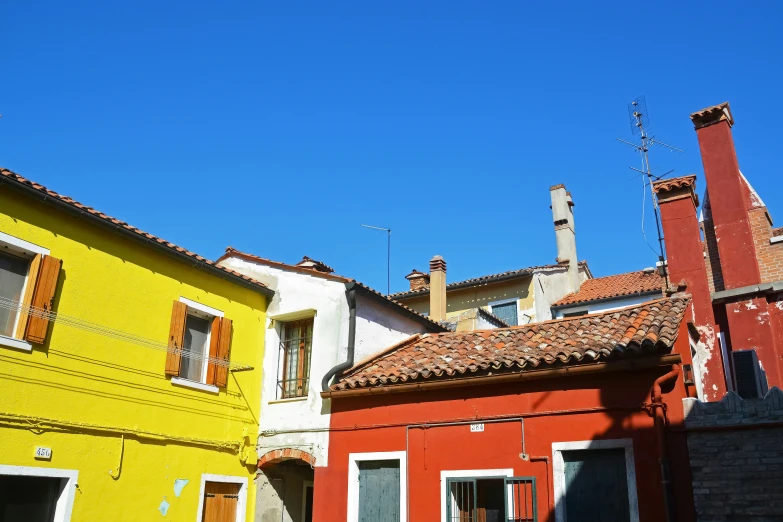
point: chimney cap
(555, 187)
(676, 188)
(437, 263)
(312, 264)
(712, 115)
(415, 274)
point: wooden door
(379, 491)
(596, 486)
(220, 502)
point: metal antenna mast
(388, 255)
(640, 123)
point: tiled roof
(620, 285)
(232, 252)
(646, 328)
(121, 226)
(482, 280)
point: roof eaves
(605, 299)
(231, 252)
(67, 204)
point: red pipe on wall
(659, 412)
(549, 496)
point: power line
(119, 335)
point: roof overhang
(630, 364)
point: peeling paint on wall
(750, 305)
(179, 484)
(702, 353)
(164, 507)
(763, 318)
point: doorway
(29, 499)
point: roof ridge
(231, 251)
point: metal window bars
(296, 341)
(463, 500)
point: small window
(492, 499)
(13, 273)
(195, 348)
(507, 312)
(296, 341)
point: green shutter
(379, 491)
(596, 486)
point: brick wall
(770, 256)
(737, 462)
(712, 259)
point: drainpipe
(659, 413)
(350, 296)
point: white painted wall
(608, 305)
(549, 287)
(299, 295)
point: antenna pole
(388, 255)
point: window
(222, 498)
(507, 312)
(199, 346)
(491, 499)
(296, 342)
(28, 280)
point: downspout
(350, 296)
(659, 414)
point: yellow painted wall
(84, 377)
(461, 300)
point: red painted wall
(498, 447)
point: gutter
(659, 412)
(350, 296)
(596, 368)
(79, 213)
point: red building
(733, 266)
(537, 422)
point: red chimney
(729, 197)
(685, 262)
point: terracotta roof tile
(650, 327)
(6, 174)
(620, 285)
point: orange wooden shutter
(214, 340)
(179, 313)
(223, 352)
(42, 299)
(27, 298)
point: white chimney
(565, 233)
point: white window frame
(229, 479)
(64, 506)
(306, 484)
(558, 470)
(503, 302)
(466, 473)
(353, 480)
(211, 313)
(27, 250)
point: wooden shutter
(179, 314)
(27, 298)
(223, 352)
(214, 340)
(42, 299)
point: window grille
(296, 341)
(478, 499)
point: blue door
(379, 491)
(596, 486)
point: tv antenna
(388, 255)
(640, 125)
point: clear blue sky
(279, 127)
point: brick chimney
(565, 233)
(729, 196)
(437, 289)
(677, 201)
(418, 280)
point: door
(596, 486)
(220, 502)
(379, 491)
(28, 499)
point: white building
(319, 323)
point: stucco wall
(605, 306)
(84, 377)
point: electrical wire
(87, 326)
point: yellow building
(131, 370)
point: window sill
(15, 343)
(284, 401)
(177, 381)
